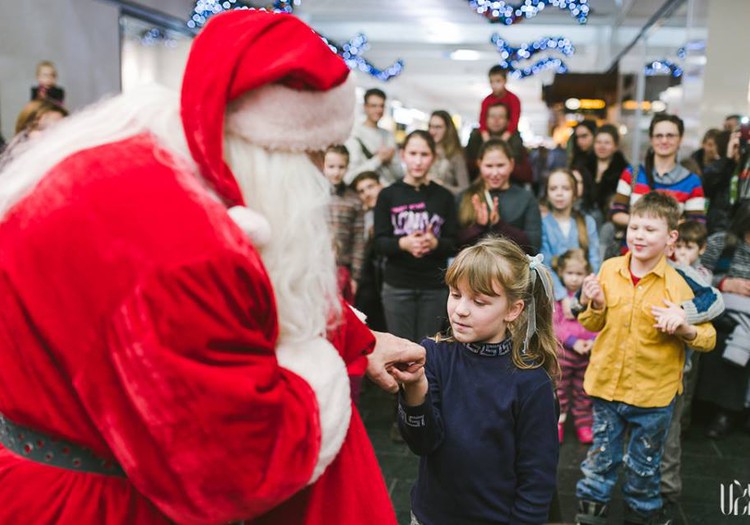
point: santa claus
(158, 363)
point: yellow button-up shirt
(631, 361)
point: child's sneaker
(660, 517)
(585, 435)
(560, 432)
(591, 513)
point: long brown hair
(577, 156)
(466, 213)
(499, 261)
(450, 143)
(583, 234)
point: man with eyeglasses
(372, 148)
(661, 172)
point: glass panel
(151, 54)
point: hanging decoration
(694, 46)
(537, 67)
(663, 67)
(205, 9)
(500, 12)
(510, 56)
(352, 51)
(155, 36)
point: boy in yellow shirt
(636, 365)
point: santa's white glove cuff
(320, 364)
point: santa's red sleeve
(139, 322)
(208, 426)
(353, 339)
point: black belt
(39, 447)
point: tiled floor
(705, 465)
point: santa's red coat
(137, 320)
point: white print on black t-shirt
(410, 218)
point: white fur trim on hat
(318, 363)
(277, 117)
(255, 226)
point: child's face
(648, 237)
(479, 318)
(417, 157)
(47, 76)
(560, 191)
(334, 167)
(368, 191)
(495, 168)
(573, 274)
(688, 252)
(497, 84)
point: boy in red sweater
(498, 78)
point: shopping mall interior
(618, 62)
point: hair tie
(535, 263)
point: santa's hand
(391, 351)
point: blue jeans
(648, 429)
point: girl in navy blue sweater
(482, 413)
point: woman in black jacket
(606, 165)
(717, 181)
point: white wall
(727, 72)
(81, 37)
(176, 8)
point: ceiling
(423, 33)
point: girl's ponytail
(583, 233)
(534, 333)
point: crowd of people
(541, 287)
(587, 214)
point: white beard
(292, 195)
(285, 188)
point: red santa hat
(282, 86)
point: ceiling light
(592, 103)
(572, 104)
(465, 54)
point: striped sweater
(684, 186)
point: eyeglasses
(662, 136)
